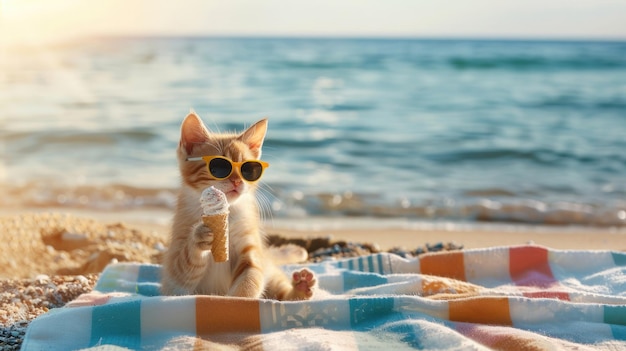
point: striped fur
(188, 265)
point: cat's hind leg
(303, 282)
(300, 286)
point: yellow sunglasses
(221, 167)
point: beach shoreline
(387, 233)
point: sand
(556, 238)
(63, 241)
(50, 256)
(49, 259)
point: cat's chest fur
(217, 278)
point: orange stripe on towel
(223, 314)
(449, 264)
(484, 310)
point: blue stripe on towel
(410, 334)
(149, 273)
(369, 310)
(353, 280)
(615, 315)
(117, 324)
(619, 332)
(370, 263)
(148, 280)
(381, 270)
(619, 258)
(374, 263)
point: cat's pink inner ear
(193, 132)
(254, 136)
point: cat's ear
(254, 136)
(193, 132)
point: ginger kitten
(188, 266)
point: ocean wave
(364, 62)
(500, 62)
(110, 197)
(489, 205)
(32, 140)
(576, 102)
(350, 107)
(312, 65)
(536, 63)
(516, 210)
(298, 144)
(543, 156)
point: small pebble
(42, 278)
(73, 236)
(436, 247)
(81, 279)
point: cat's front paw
(203, 237)
(303, 282)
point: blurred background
(482, 111)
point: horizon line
(307, 36)
(362, 36)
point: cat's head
(197, 140)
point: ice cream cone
(219, 226)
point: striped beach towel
(503, 298)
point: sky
(26, 21)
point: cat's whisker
(265, 205)
(266, 188)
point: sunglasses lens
(251, 171)
(220, 168)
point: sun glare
(32, 22)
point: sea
(455, 130)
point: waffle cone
(219, 226)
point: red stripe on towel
(528, 266)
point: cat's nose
(236, 181)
